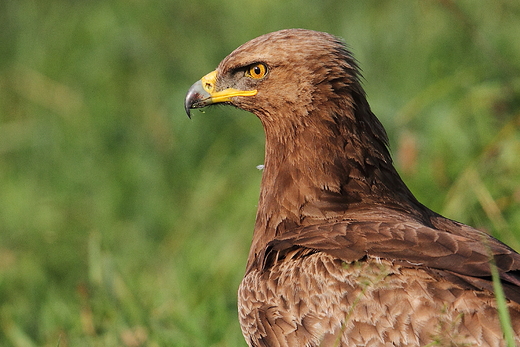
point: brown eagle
(343, 254)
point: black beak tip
(187, 106)
(195, 98)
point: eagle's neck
(325, 168)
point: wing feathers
(413, 244)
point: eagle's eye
(256, 71)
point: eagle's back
(311, 298)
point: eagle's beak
(202, 93)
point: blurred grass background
(123, 223)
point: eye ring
(256, 71)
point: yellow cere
(209, 82)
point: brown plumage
(342, 253)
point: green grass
(122, 223)
(503, 313)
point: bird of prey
(342, 253)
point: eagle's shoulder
(458, 251)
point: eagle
(343, 254)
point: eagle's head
(293, 71)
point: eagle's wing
(462, 253)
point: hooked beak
(202, 93)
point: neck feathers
(324, 164)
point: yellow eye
(257, 71)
